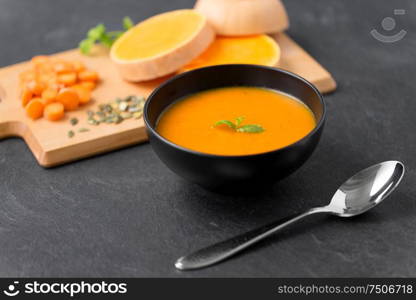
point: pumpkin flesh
(161, 45)
(257, 50)
(158, 35)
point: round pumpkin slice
(161, 45)
(255, 49)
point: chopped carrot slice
(88, 84)
(78, 66)
(27, 76)
(68, 78)
(84, 94)
(34, 109)
(26, 96)
(39, 59)
(35, 87)
(55, 83)
(69, 98)
(61, 67)
(44, 68)
(88, 75)
(46, 77)
(54, 111)
(49, 95)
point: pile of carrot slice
(53, 86)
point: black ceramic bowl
(233, 173)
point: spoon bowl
(366, 189)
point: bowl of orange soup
(235, 127)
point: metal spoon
(357, 195)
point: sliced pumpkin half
(161, 45)
(255, 49)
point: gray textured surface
(125, 214)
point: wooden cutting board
(50, 143)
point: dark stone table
(125, 214)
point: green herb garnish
(226, 122)
(101, 35)
(250, 128)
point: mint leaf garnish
(239, 120)
(225, 122)
(250, 128)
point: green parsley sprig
(250, 128)
(99, 34)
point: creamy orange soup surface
(191, 122)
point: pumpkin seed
(134, 109)
(137, 115)
(83, 129)
(100, 114)
(92, 121)
(118, 119)
(71, 134)
(73, 121)
(126, 115)
(123, 106)
(108, 108)
(118, 110)
(141, 99)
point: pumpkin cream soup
(236, 121)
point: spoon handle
(225, 249)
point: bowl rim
(198, 153)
